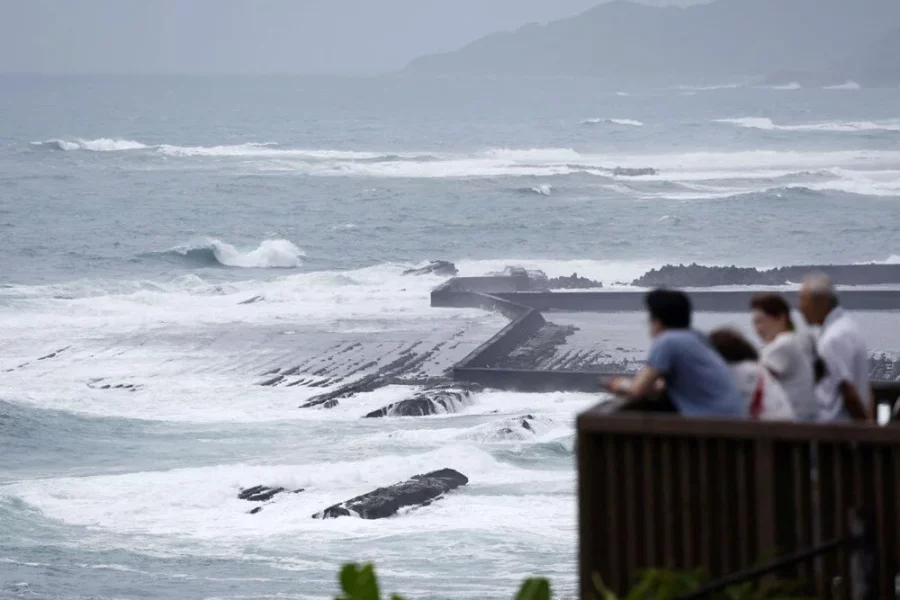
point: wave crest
(830, 127)
(626, 122)
(97, 145)
(270, 254)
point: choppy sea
(138, 215)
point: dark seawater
(136, 214)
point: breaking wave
(627, 122)
(97, 145)
(543, 190)
(270, 254)
(830, 127)
(788, 86)
(847, 85)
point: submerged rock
(435, 267)
(634, 172)
(442, 398)
(420, 490)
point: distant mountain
(726, 38)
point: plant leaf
(534, 589)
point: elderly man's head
(817, 299)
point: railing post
(863, 576)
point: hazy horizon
(223, 37)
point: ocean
(165, 242)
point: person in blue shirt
(681, 363)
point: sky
(252, 36)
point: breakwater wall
(514, 297)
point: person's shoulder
(678, 337)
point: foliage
(667, 584)
(359, 582)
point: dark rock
(573, 282)
(695, 275)
(256, 510)
(420, 490)
(252, 300)
(435, 267)
(262, 493)
(437, 399)
(527, 425)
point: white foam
(832, 126)
(707, 88)
(607, 271)
(269, 254)
(543, 190)
(847, 85)
(206, 509)
(788, 86)
(95, 145)
(198, 353)
(627, 122)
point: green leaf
(534, 589)
(348, 577)
(359, 583)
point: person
(843, 393)
(696, 379)
(762, 394)
(788, 355)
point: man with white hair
(843, 393)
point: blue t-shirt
(697, 379)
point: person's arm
(854, 404)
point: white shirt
(750, 376)
(843, 350)
(789, 357)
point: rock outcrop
(444, 398)
(435, 267)
(262, 493)
(420, 490)
(695, 275)
(573, 282)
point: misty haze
(222, 223)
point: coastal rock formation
(420, 490)
(444, 398)
(695, 275)
(262, 493)
(435, 267)
(573, 282)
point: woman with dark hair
(763, 395)
(788, 355)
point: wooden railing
(726, 496)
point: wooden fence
(724, 495)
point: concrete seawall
(512, 296)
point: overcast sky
(252, 36)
